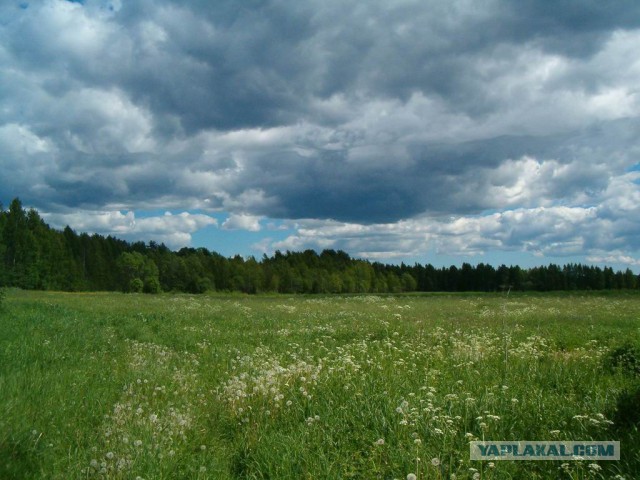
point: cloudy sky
(436, 131)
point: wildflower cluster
(150, 420)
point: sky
(430, 131)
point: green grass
(275, 387)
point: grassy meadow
(114, 386)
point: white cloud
(242, 222)
(615, 259)
(172, 229)
(542, 231)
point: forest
(37, 257)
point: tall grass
(126, 386)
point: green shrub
(625, 358)
(627, 414)
(136, 286)
(152, 285)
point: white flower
(435, 461)
(109, 455)
(380, 441)
(412, 476)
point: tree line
(36, 256)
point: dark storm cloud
(366, 112)
(443, 178)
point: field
(121, 386)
